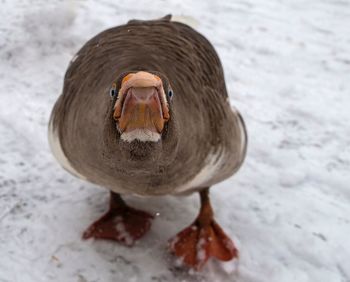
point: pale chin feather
(143, 135)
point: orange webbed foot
(203, 239)
(121, 223)
(196, 244)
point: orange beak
(141, 103)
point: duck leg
(203, 238)
(121, 223)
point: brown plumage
(202, 143)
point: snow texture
(201, 253)
(123, 233)
(287, 66)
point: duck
(144, 111)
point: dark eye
(113, 91)
(170, 93)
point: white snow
(123, 233)
(201, 253)
(287, 66)
(229, 266)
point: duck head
(141, 108)
(143, 117)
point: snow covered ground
(287, 66)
